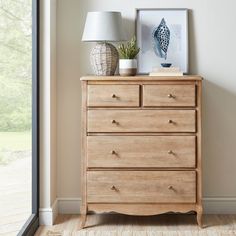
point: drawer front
(169, 95)
(141, 121)
(141, 186)
(141, 151)
(113, 95)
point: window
(19, 129)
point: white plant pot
(127, 67)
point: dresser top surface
(141, 78)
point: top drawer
(113, 95)
(169, 95)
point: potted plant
(127, 62)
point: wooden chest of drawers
(141, 145)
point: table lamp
(103, 27)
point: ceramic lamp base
(104, 59)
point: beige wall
(53, 120)
(212, 55)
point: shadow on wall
(129, 27)
(193, 62)
(219, 140)
(219, 128)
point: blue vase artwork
(161, 39)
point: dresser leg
(83, 218)
(199, 217)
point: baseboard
(211, 205)
(47, 216)
(69, 205)
(219, 205)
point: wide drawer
(141, 121)
(169, 95)
(113, 95)
(141, 186)
(141, 151)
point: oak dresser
(141, 145)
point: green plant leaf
(130, 50)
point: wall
(212, 55)
(53, 99)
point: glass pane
(15, 114)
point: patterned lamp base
(104, 59)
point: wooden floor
(118, 225)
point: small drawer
(169, 95)
(141, 151)
(113, 95)
(141, 121)
(141, 186)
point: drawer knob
(113, 122)
(113, 152)
(171, 187)
(170, 121)
(114, 188)
(170, 152)
(113, 96)
(170, 96)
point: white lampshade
(103, 26)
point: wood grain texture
(113, 95)
(141, 151)
(199, 154)
(139, 178)
(141, 186)
(140, 82)
(142, 78)
(141, 121)
(141, 209)
(169, 95)
(83, 207)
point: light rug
(142, 233)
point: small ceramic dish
(166, 64)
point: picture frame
(162, 35)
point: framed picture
(162, 35)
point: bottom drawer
(141, 186)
